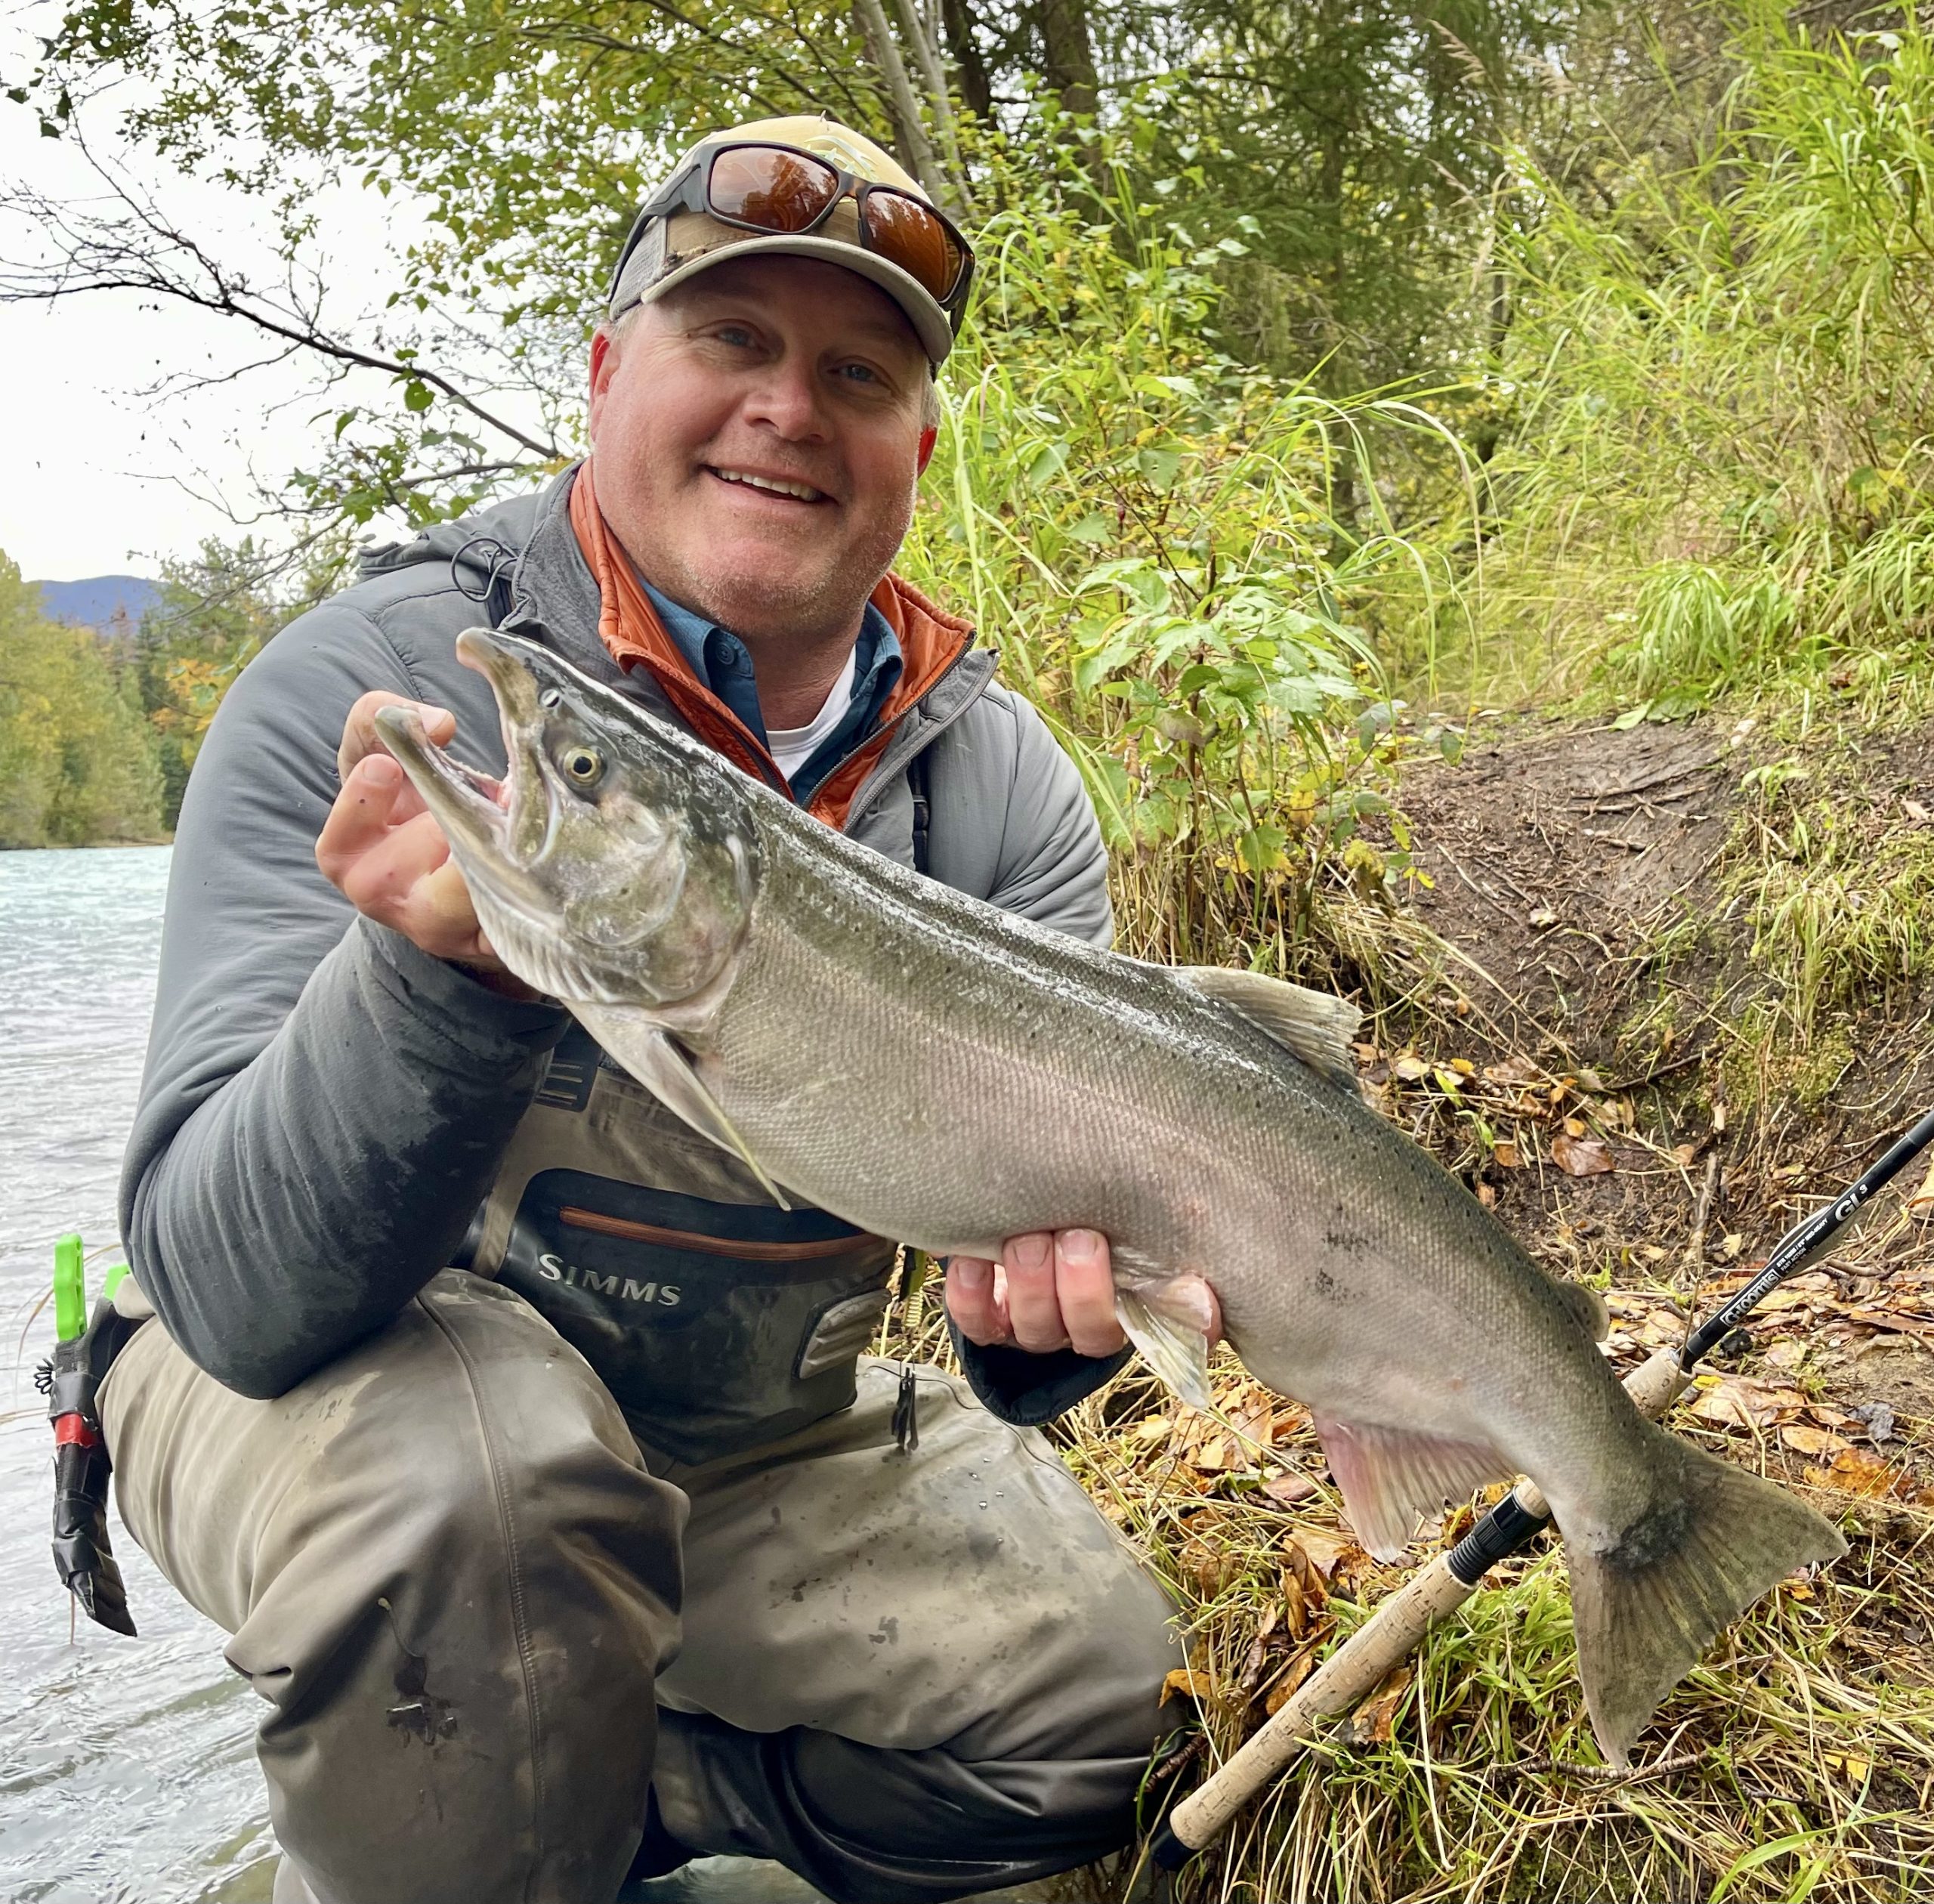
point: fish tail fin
(1712, 1539)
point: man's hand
(1051, 1289)
(383, 850)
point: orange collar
(931, 641)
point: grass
(1796, 1763)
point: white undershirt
(792, 747)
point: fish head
(616, 862)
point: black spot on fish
(1653, 1537)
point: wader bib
(718, 1320)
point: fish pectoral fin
(1314, 1027)
(652, 1056)
(1171, 1340)
(1392, 1477)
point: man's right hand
(383, 850)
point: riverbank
(1660, 991)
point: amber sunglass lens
(772, 190)
(903, 230)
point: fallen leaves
(1373, 1723)
(1187, 1682)
(1289, 1490)
(1860, 1472)
(1581, 1157)
(1920, 1205)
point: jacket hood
(472, 542)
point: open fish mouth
(498, 815)
(455, 792)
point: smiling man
(526, 1447)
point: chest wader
(718, 1320)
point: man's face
(763, 371)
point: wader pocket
(717, 1326)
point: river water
(127, 1772)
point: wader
(522, 1630)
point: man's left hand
(1051, 1289)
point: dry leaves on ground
(1373, 1722)
(1581, 1157)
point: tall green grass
(1721, 391)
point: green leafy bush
(1148, 530)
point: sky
(97, 478)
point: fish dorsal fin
(1315, 1027)
(1586, 1305)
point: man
(604, 1550)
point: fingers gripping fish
(937, 1070)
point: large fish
(936, 1071)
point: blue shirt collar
(719, 659)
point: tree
(76, 762)
(1358, 138)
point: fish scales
(936, 1071)
(1102, 1096)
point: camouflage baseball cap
(677, 236)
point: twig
(1609, 1775)
(1702, 1210)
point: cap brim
(922, 308)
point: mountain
(92, 603)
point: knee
(467, 1450)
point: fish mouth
(500, 816)
(458, 795)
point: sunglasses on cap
(779, 190)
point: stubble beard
(796, 611)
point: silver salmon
(936, 1071)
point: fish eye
(551, 700)
(584, 765)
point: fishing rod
(1399, 1624)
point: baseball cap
(665, 248)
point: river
(127, 1770)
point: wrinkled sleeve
(1051, 868)
(323, 1105)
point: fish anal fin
(1312, 1026)
(1168, 1329)
(1391, 1477)
(1587, 1305)
(652, 1056)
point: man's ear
(928, 437)
(604, 362)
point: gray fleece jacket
(327, 1112)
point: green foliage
(216, 611)
(1147, 530)
(76, 764)
(1717, 475)
(1357, 145)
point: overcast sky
(94, 478)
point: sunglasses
(779, 190)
